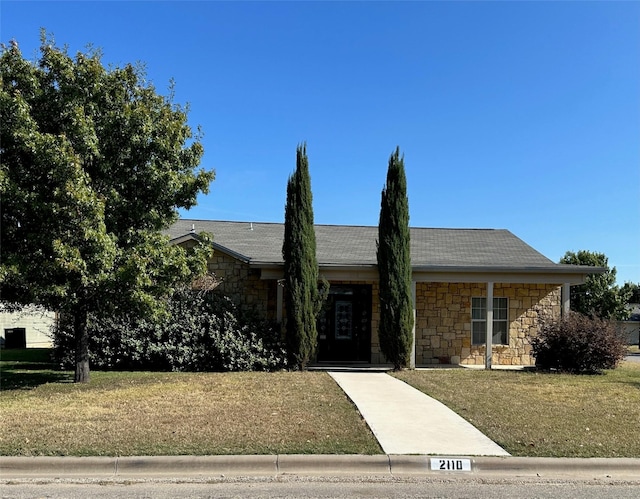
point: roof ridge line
(364, 226)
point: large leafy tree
(631, 291)
(598, 296)
(394, 267)
(94, 165)
(303, 295)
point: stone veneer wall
(243, 285)
(443, 321)
(443, 313)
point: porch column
(279, 300)
(566, 298)
(489, 338)
(412, 361)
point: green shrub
(202, 332)
(578, 344)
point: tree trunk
(82, 344)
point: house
(461, 278)
(630, 328)
(30, 327)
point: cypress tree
(394, 267)
(303, 299)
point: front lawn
(542, 414)
(143, 413)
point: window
(479, 321)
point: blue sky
(516, 115)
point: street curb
(254, 465)
(327, 464)
(306, 465)
(11, 467)
(551, 467)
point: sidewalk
(406, 421)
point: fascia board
(547, 275)
(560, 274)
(329, 272)
(184, 239)
(231, 253)
(214, 245)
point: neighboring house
(27, 328)
(461, 277)
(630, 328)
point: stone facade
(243, 285)
(443, 313)
(443, 321)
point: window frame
(479, 320)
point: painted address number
(448, 464)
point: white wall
(37, 322)
(631, 330)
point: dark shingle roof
(261, 243)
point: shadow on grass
(25, 380)
(24, 369)
(27, 355)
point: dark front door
(344, 325)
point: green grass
(27, 368)
(542, 414)
(143, 413)
(26, 355)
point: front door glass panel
(344, 320)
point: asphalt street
(352, 487)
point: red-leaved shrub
(578, 344)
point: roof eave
(502, 269)
(216, 247)
(184, 238)
(553, 274)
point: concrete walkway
(406, 421)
